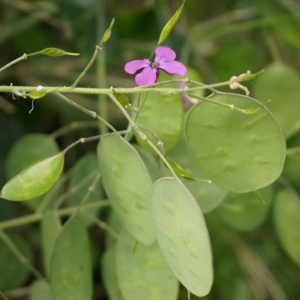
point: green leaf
(82, 177)
(208, 196)
(128, 186)
(180, 172)
(14, 273)
(37, 94)
(40, 290)
(287, 223)
(162, 115)
(34, 180)
(245, 212)
(252, 76)
(107, 33)
(27, 150)
(238, 152)
(56, 52)
(71, 266)
(280, 84)
(144, 274)
(182, 235)
(109, 274)
(168, 27)
(121, 97)
(50, 228)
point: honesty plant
(230, 143)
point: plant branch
(61, 212)
(10, 244)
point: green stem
(24, 56)
(97, 91)
(74, 190)
(102, 225)
(3, 296)
(142, 135)
(86, 68)
(189, 295)
(89, 112)
(61, 212)
(129, 134)
(74, 126)
(293, 151)
(101, 66)
(91, 190)
(19, 255)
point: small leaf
(56, 52)
(107, 33)
(168, 27)
(27, 150)
(71, 266)
(121, 98)
(34, 180)
(182, 173)
(37, 94)
(252, 76)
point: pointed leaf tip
(168, 27)
(107, 33)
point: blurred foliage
(218, 39)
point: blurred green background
(218, 39)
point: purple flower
(164, 59)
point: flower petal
(147, 76)
(173, 67)
(132, 66)
(164, 53)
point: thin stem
(293, 151)
(61, 212)
(74, 126)
(89, 112)
(142, 135)
(10, 244)
(97, 49)
(293, 131)
(159, 142)
(129, 134)
(102, 225)
(90, 139)
(189, 295)
(91, 190)
(24, 56)
(3, 295)
(101, 65)
(230, 106)
(74, 190)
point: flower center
(155, 65)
